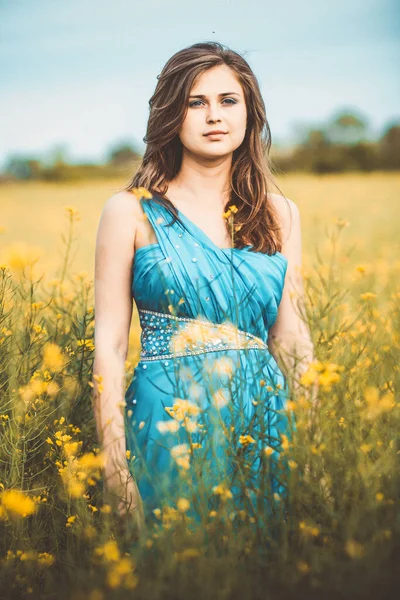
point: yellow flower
(86, 343)
(365, 448)
(354, 549)
(340, 222)
(318, 449)
(285, 442)
(223, 365)
(62, 437)
(375, 404)
(29, 555)
(180, 454)
(72, 448)
(90, 532)
(309, 530)
(38, 329)
(121, 574)
(368, 296)
(303, 566)
(245, 440)
(221, 397)
(189, 337)
(361, 269)
(222, 491)
(183, 408)
(190, 425)
(268, 450)
(52, 388)
(45, 559)
(20, 256)
(70, 521)
(141, 192)
(183, 504)
(17, 503)
(109, 551)
(90, 461)
(327, 378)
(231, 209)
(325, 374)
(52, 356)
(72, 213)
(309, 377)
(167, 426)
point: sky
(79, 74)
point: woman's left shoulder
(282, 203)
(288, 211)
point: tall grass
(331, 530)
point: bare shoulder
(122, 203)
(284, 205)
(114, 258)
(117, 227)
(120, 215)
(288, 212)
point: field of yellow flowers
(334, 533)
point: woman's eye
(195, 102)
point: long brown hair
(256, 220)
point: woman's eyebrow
(224, 94)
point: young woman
(211, 258)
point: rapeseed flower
(17, 504)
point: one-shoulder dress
(206, 389)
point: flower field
(334, 530)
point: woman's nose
(213, 114)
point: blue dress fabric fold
(206, 386)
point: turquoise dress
(206, 395)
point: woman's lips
(215, 135)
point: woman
(199, 242)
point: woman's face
(216, 102)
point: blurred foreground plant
(333, 533)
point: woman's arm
(113, 312)
(289, 337)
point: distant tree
(57, 156)
(360, 157)
(19, 166)
(347, 128)
(316, 139)
(390, 147)
(123, 154)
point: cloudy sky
(79, 74)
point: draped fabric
(239, 391)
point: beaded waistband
(168, 336)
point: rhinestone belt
(168, 336)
